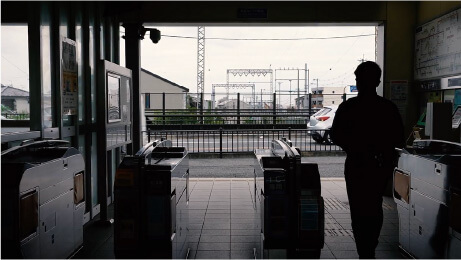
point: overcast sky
(331, 61)
(14, 61)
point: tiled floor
(224, 226)
(222, 219)
(222, 223)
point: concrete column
(133, 62)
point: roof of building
(164, 79)
(9, 91)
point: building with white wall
(17, 100)
(333, 95)
(317, 99)
(152, 87)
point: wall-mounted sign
(399, 89)
(399, 94)
(353, 88)
(430, 85)
(69, 83)
(113, 98)
(454, 82)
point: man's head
(367, 77)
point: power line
(268, 39)
(15, 66)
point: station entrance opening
(289, 209)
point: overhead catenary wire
(339, 79)
(267, 39)
(16, 66)
(271, 39)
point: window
(147, 101)
(15, 76)
(332, 102)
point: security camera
(154, 35)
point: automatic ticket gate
(287, 194)
(42, 200)
(151, 203)
(427, 189)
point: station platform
(222, 223)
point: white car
(320, 124)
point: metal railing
(183, 111)
(16, 116)
(223, 141)
(227, 117)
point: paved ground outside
(242, 167)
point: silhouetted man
(368, 128)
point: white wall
(22, 105)
(333, 96)
(174, 99)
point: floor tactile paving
(332, 226)
(335, 204)
(338, 232)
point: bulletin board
(69, 85)
(438, 47)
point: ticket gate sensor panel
(42, 200)
(151, 203)
(427, 182)
(287, 194)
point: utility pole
(297, 105)
(262, 99)
(290, 93)
(200, 63)
(280, 83)
(306, 80)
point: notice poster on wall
(438, 47)
(399, 94)
(69, 79)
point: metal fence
(223, 141)
(187, 111)
(227, 118)
(15, 116)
